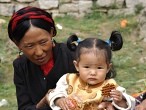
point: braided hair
(22, 20)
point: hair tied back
(73, 42)
(115, 41)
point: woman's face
(37, 45)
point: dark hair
(116, 40)
(21, 21)
(115, 43)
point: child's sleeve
(59, 91)
(129, 99)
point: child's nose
(93, 72)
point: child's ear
(76, 65)
(109, 67)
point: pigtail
(115, 41)
(72, 42)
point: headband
(30, 14)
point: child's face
(92, 67)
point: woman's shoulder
(63, 47)
(20, 60)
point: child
(83, 90)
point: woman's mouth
(41, 60)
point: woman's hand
(141, 106)
(105, 105)
(42, 103)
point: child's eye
(86, 66)
(99, 67)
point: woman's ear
(76, 65)
(53, 42)
(20, 49)
(52, 32)
(52, 35)
(16, 43)
(19, 46)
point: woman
(43, 61)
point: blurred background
(86, 18)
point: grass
(130, 71)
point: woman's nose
(38, 51)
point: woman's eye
(28, 46)
(43, 42)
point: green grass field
(130, 71)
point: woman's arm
(23, 96)
(23, 99)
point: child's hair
(114, 43)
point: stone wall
(79, 8)
(76, 8)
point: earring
(20, 53)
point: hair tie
(108, 42)
(79, 40)
(75, 42)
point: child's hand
(63, 103)
(118, 98)
(116, 95)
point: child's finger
(63, 104)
